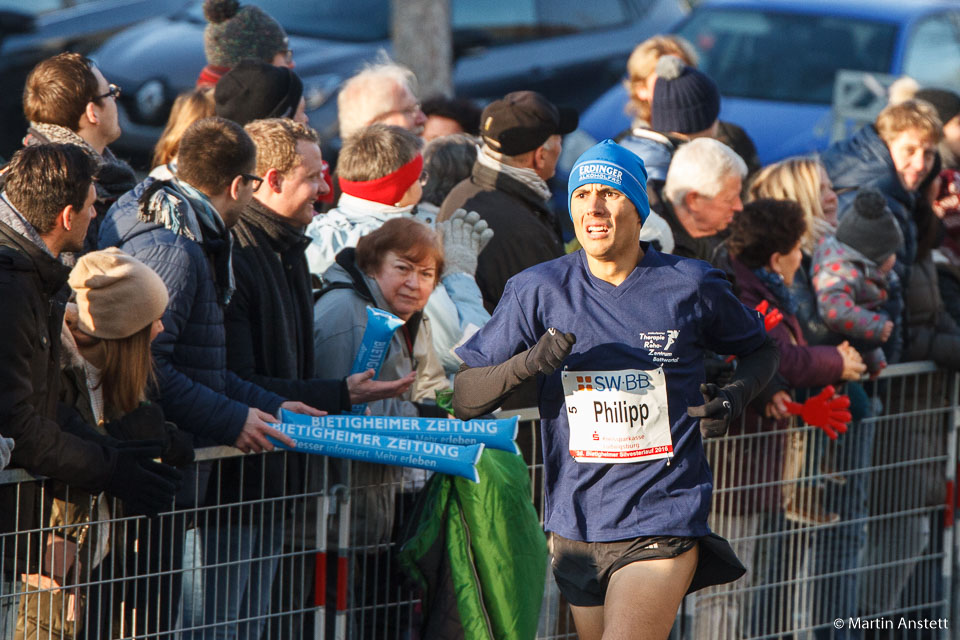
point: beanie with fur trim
(610, 164)
(117, 295)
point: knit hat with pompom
(685, 100)
(869, 226)
(235, 33)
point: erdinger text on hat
(610, 164)
(522, 121)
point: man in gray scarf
(521, 144)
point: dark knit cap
(869, 226)
(947, 103)
(253, 90)
(685, 100)
(235, 33)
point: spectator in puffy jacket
(853, 276)
(892, 155)
(180, 228)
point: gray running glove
(464, 237)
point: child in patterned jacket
(853, 275)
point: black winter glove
(145, 487)
(715, 413)
(718, 370)
(178, 448)
(549, 352)
(143, 423)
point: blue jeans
(228, 579)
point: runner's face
(605, 221)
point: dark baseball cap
(522, 121)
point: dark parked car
(566, 49)
(32, 30)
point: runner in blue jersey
(615, 334)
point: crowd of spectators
(145, 318)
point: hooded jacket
(478, 553)
(196, 390)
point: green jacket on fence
(479, 553)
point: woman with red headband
(379, 172)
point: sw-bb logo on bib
(617, 416)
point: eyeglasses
(113, 92)
(287, 56)
(256, 180)
(410, 112)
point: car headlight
(151, 99)
(317, 90)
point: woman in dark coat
(764, 257)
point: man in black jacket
(521, 144)
(269, 326)
(45, 210)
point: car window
(495, 20)
(354, 21)
(34, 7)
(576, 15)
(932, 55)
(503, 21)
(783, 56)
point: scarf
(15, 220)
(528, 177)
(114, 176)
(187, 212)
(775, 284)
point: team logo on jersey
(660, 344)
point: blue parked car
(775, 62)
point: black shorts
(583, 569)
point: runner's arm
(754, 372)
(479, 390)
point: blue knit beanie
(685, 100)
(610, 164)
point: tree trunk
(422, 41)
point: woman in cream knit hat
(107, 370)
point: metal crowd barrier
(840, 538)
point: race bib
(618, 416)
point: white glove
(6, 449)
(464, 237)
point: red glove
(770, 320)
(824, 411)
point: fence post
(951, 540)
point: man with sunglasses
(67, 100)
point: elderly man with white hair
(383, 93)
(700, 196)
